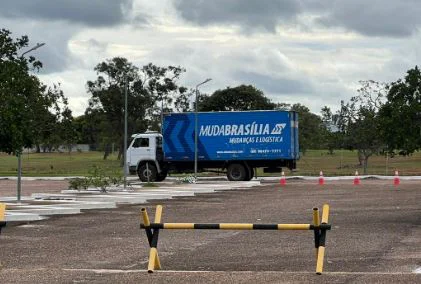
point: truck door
(159, 150)
(142, 148)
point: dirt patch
(9, 187)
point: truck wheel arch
(153, 162)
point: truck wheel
(161, 176)
(236, 172)
(251, 174)
(145, 171)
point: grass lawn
(57, 164)
(342, 162)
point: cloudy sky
(312, 52)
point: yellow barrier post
(322, 240)
(2, 215)
(158, 215)
(152, 235)
(152, 231)
(316, 222)
(147, 224)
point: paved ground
(376, 237)
(40, 206)
(8, 187)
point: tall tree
(361, 123)
(149, 88)
(236, 99)
(67, 127)
(401, 114)
(55, 124)
(90, 128)
(182, 102)
(22, 96)
(332, 137)
(310, 128)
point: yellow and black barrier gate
(2, 215)
(152, 232)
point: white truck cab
(144, 154)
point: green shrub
(75, 183)
(186, 179)
(116, 178)
(98, 178)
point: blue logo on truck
(229, 135)
(278, 128)
(240, 129)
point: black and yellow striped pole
(152, 234)
(316, 223)
(233, 226)
(2, 215)
(152, 230)
(322, 240)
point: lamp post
(33, 48)
(195, 128)
(126, 86)
(19, 182)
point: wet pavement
(375, 238)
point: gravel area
(375, 238)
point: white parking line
(116, 271)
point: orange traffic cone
(357, 178)
(321, 179)
(283, 180)
(396, 179)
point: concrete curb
(41, 205)
(34, 208)
(209, 180)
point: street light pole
(195, 127)
(126, 85)
(33, 48)
(19, 182)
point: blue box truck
(235, 142)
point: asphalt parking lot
(375, 237)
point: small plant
(97, 178)
(116, 178)
(79, 183)
(186, 179)
(101, 182)
(75, 183)
(86, 182)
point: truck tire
(237, 172)
(251, 174)
(161, 176)
(143, 172)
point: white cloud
(291, 57)
(72, 82)
(395, 18)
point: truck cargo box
(245, 135)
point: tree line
(380, 118)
